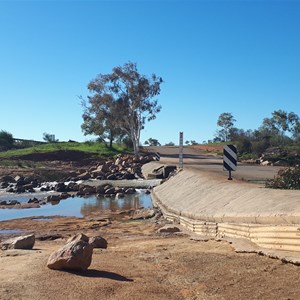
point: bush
(288, 179)
(6, 140)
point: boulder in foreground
(75, 255)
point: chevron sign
(229, 158)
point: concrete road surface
(202, 161)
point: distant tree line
(279, 130)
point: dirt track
(141, 264)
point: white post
(180, 150)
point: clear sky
(236, 56)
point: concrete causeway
(211, 205)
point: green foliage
(152, 142)
(49, 138)
(244, 146)
(90, 147)
(121, 101)
(170, 144)
(6, 140)
(225, 121)
(286, 179)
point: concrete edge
(276, 241)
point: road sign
(229, 159)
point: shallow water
(78, 206)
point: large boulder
(75, 255)
(60, 187)
(21, 242)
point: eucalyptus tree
(281, 123)
(122, 100)
(101, 117)
(226, 122)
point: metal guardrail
(30, 142)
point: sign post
(229, 159)
(181, 150)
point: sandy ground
(139, 263)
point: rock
(53, 198)
(111, 177)
(97, 173)
(98, 242)
(33, 200)
(20, 189)
(60, 187)
(49, 236)
(12, 202)
(21, 242)
(18, 178)
(84, 176)
(73, 186)
(20, 182)
(7, 179)
(120, 195)
(168, 229)
(143, 214)
(110, 191)
(168, 170)
(27, 205)
(100, 189)
(128, 176)
(88, 190)
(265, 163)
(4, 185)
(130, 191)
(75, 255)
(78, 237)
(10, 190)
(103, 168)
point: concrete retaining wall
(269, 218)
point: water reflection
(105, 203)
(79, 206)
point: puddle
(79, 207)
(10, 231)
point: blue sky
(241, 57)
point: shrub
(6, 140)
(288, 179)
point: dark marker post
(229, 159)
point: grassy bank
(89, 147)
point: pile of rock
(19, 184)
(126, 167)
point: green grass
(90, 147)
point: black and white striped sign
(230, 157)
